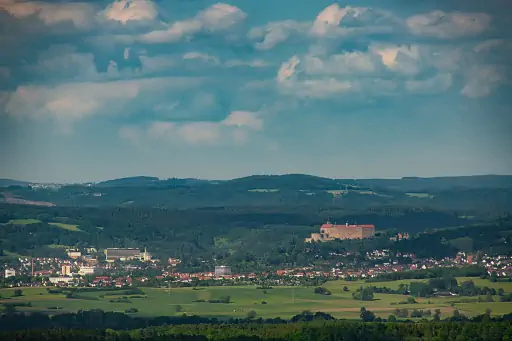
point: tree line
(302, 331)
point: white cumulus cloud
(481, 80)
(243, 119)
(333, 21)
(70, 102)
(435, 84)
(79, 14)
(218, 17)
(339, 64)
(274, 33)
(131, 10)
(233, 128)
(288, 69)
(201, 57)
(443, 25)
(328, 18)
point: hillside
(11, 182)
(467, 196)
(129, 182)
(409, 184)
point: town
(123, 267)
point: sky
(98, 90)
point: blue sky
(98, 90)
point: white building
(61, 280)
(74, 254)
(222, 270)
(10, 273)
(65, 270)
(88, 270)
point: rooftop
(335, 226)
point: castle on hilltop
(329, 231)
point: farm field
(280, 301)
(24, 221)
(69, 227)
(420, 195)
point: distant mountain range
(310, 182)
(11, 182)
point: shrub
(322, 291)
(251, 314)
(411, 300)
(120, 300)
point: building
(145, 256)
(10, 273)
(114, 254)
(222, 271)
(65, 270)
(329, 231)
(173, 261)
(73, 254)
(90, 260)
(61, 280)
(88, 270)
(400, 236)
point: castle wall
(332, 232)
(368, 232)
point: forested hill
(310, 182)
(131, 181)
(11, 182)
(488, 195)
(442, 183)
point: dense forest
(478, 195)
(248, 239)
(258, 222)
(319, 330)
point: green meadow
(340, 192)
(276, 302)
(24, 221)
(69, 227)
(420, 195)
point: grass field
(420, 195)
(69, 227)
(281, 301)
(24, 221)
(358, 191)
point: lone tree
(251, 314)
(365, 294)
(17, 293)
(366, 315)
